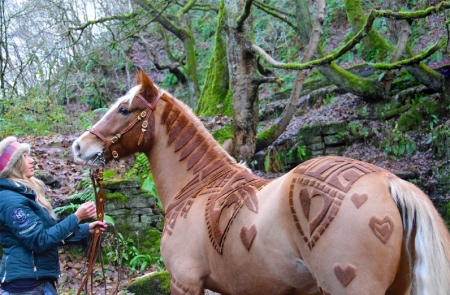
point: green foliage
(126, 253)
(140, 168)
(267, 134)
(223, 134)
(142, 261)
(440, 141)
(32, 114)
(422, 108)
(301, 154)
(329, 99)
(169, 81)
(398, 145)
(141, 171)
(409, 120)
(75, 200)
(275, 161)
(363, 112)
(149, 186)
(123, 254)
(358, 130)
(86, 194)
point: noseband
(143, 115)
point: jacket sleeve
(78, 236)
(34, 233)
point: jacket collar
(8, 184)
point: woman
(29, 231)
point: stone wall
(324, 140)
(135, 213)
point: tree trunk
(214, 98)
(242, 70)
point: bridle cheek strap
(143, 115)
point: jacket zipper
(63, 240)
(34, 265)
(4, 275)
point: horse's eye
(123, 110)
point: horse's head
(126, 128)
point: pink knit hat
(10, 151)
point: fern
(140, 168)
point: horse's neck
(184, 152)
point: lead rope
(94, 249)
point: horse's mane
(189, 136)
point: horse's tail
(422, 222)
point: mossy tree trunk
(215, 97)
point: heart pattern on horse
(359, 199)
(382, 228)
(248, 234)
(344, 274)
(319, 190)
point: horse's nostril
(77, 148)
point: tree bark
(242, 70)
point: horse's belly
(263, 277)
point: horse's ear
(148, 89)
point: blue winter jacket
(30, 236)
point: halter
(143, 115)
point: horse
(332, 225)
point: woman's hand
(86, 211)
(102, 226)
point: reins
(96, 175)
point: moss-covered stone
(333, 128)
(116, 196)
(305, 134)
(154, 284)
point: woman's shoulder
(10, 188)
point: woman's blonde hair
(18, 175)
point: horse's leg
(359, 252)
(402, 282)
(179, 288)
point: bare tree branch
(245, 14)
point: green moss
(215, 97)
(153, 284)
(374, 44)
(409, 120)
(223, 134)
(267, 134)
(116, 196)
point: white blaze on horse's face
(86, 147)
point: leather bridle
(143, 115)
